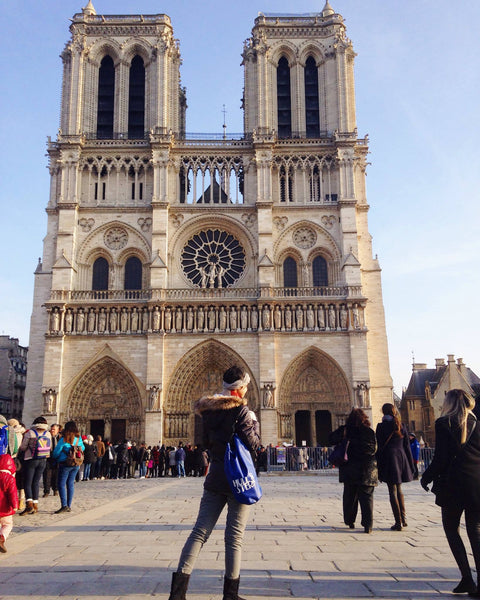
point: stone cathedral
(169, 256)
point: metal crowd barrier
(303, 458)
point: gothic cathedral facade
(167, 259)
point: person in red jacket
(8, 498)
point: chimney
(439, 362)
(450, 358)
(462, 367)
(419, 366)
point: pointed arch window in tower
(290, 277)
(106, 98)
(314, 186)
(319, 271)
(100, 274)
(284, 100)
(136, 99)
(286, 184)
(312, 113)
(133, 274)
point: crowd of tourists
(60, 456)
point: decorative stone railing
(252, 315)
(164, 295)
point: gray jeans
(211, 507)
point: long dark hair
(457, 406)
(70, 432)
(391, 410)
(356, 419)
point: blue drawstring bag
(240, 472)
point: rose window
(213, 259)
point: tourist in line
(359, 474)
(66, 473)
(8, 498)
(455, 472)
(50, 475)
(98, 473)
(221, 415)
(89, 457)
(395, 462)
(180, 460)
(36, 445)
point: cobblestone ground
(123, 539)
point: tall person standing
(222, 414)
(455, 472)
(395, 462)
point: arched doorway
(198, 374)
(106, 398)
(314, 398)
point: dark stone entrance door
(302, 428)
(97, 427)
(119, 427)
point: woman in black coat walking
(222, 415)
(455, 472)
(359, 474)
(395, 462)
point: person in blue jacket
(66, 474)
(415, 448)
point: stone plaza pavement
(123, 539)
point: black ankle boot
(230, 589)
(178, 589)
(466, 586)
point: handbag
(240, 472)
(339, 455)
(74, 456)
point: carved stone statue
(179, 319)
(80, 323)
(168, 319)
(153, 397)
(332, 322)
(321, 317)
(268, 399)
(113, 320)
(134, 323)
(189, 318)
(156, 319)
(55, 320)
(102, 321)
(277, 318)
(222, 319)
(124, 320)
(233, 318)
(254, 318)
(266, 317)
(310, 317)
(200, 319)
(91, 321)
(288, 318)
(356, 317)
(204, 276)
(299, 317)
(68, 320)
(145, 319)
(343, 317)
(244, 318)
(211, 319)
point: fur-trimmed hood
(218, 402)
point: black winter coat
(455, 469)
(221, 416)
(89, 454)
(361, 468)
(394, 457)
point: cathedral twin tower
(168, 259)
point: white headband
(236, 385)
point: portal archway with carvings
(106, 400)
(198, 374)
(314, 399)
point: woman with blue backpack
(69, 455)
(222, 415)
(36, 446)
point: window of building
(133, 274)
(290, 277)
(284, 101)
(286, 184)
(100, 274)
(136, 99)
(314, 185)
(319, 271)
(106, 98)
(312, 113)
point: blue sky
(417, 90)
